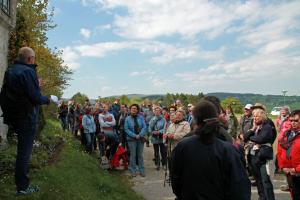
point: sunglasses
(294, 120)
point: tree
(80, 98)
(136, 100)
(32, 23)
(235, 103)
(124, 99)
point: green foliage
(79, 98)
(136, 100)
(169, 99)
(124, 99)
(32, 23)
(75, 176)
(234, 103)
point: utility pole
(284, 93)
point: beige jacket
(179, 130)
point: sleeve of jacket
(240, 187)
(176, 170)
(31, 86)
(150, 128)
(163, 128)
(185, 130)
(144, 127)
(84, 124)
(247, 135)
(113, 122)
(127, 128)
(264, 136)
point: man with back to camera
(20, 100)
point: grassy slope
(75, 176)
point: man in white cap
(246, 119)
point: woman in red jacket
(289, 155)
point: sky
(117, 47)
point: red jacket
(293, 159)
(282, 126)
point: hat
(259, 106)
(248, 106)
(190, 105)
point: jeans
(136, 148)
(89, 141)
(26, 131)
(111, 140)
(63, 123)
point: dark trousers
(264, 184)
(64, 123)
(294, 185)
(162, 149)
(26, 131)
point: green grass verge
(76, 175)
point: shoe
(29, 190)
(132, 175)
(143, 174)
(284, 188)
(157, 168)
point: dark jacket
(208, 171)
(21, 95)
(264, 134)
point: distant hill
(269, 100)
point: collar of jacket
(33, 66)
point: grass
(75, 175)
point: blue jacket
(157, 124)
(129, 127)
(88, 124)
(21, 94)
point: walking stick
(167, 171)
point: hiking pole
(167, 171)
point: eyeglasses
(294, 120)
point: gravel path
(152, 186)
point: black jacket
(208, 171)
(20, 94)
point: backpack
(104, 163)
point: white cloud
(158, 82)
(141, 73)
(161, 53)
(101, 49)
(70, 58)
(86, 33)
(264, 69)
(279, 45)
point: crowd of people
(209, 153)
(237, 149)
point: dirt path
(152, 186)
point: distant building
(7, 23)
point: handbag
(265, 152)
(104, 163)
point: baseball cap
(248, 106)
